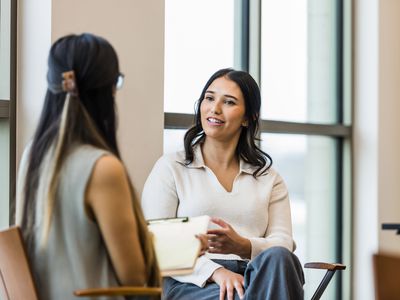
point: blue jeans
(275, 274)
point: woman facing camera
(224, 174)
(80, 218)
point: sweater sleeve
(279, 230)
(159, 197)
(160, 200)
(203, 270)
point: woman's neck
(220, 154)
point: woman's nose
(216, 108)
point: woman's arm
(159, 197)
(225, 240)
(279, 230)
(109, 200)
(160, 200)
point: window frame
(8, 109)
(248, 58)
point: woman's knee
(277, 253)
(277, 256)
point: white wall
(136, 30)
(376, 138)
(389, 123)
(365, 145)
(33, 44)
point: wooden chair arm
(330, 271)
(119, 291)
(324, 266)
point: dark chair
(330, 271)
(14, 269)
(16, 280)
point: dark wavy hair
(246, 148)
(86, 117)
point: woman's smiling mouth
(214, 121)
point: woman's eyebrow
(230, 96)
(225, 95)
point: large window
(199, 39)
(7, 107)
(301, 60)
(299, 52)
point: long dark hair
(85, 117)
(247, 148)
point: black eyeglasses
(120, 81)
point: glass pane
(5, 11)
(198, 41)
(4, 172)
(173, 140)
(298, 60)
(307, 164)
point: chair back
(16, 280)
(386, 276)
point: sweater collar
(198, 161)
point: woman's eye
(230, 102)
(208, 98)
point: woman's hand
(226, 240)
(228, 282)
(204, 243)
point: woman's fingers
(228, 282)
(222, 292)
(215, 244)
(218, 244)
(239, 289)
(204, 243)
(203, 240)
(230, 292)
(218, 231)
(216, 250)
(211, 237)
(220, 222)
(217, 238)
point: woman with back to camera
(79, 215)
(222, 173)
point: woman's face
(223, 110)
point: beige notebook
(176, 246)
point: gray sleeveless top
(75, 256)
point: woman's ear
(245, 123)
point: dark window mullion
(184, 121)
(340, 144)
(334, 130)
(242, 34)
(4, 109)
(13, 110)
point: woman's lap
(257, 278)
(175, 290)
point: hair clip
(69, 83)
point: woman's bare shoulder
(108, 169)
